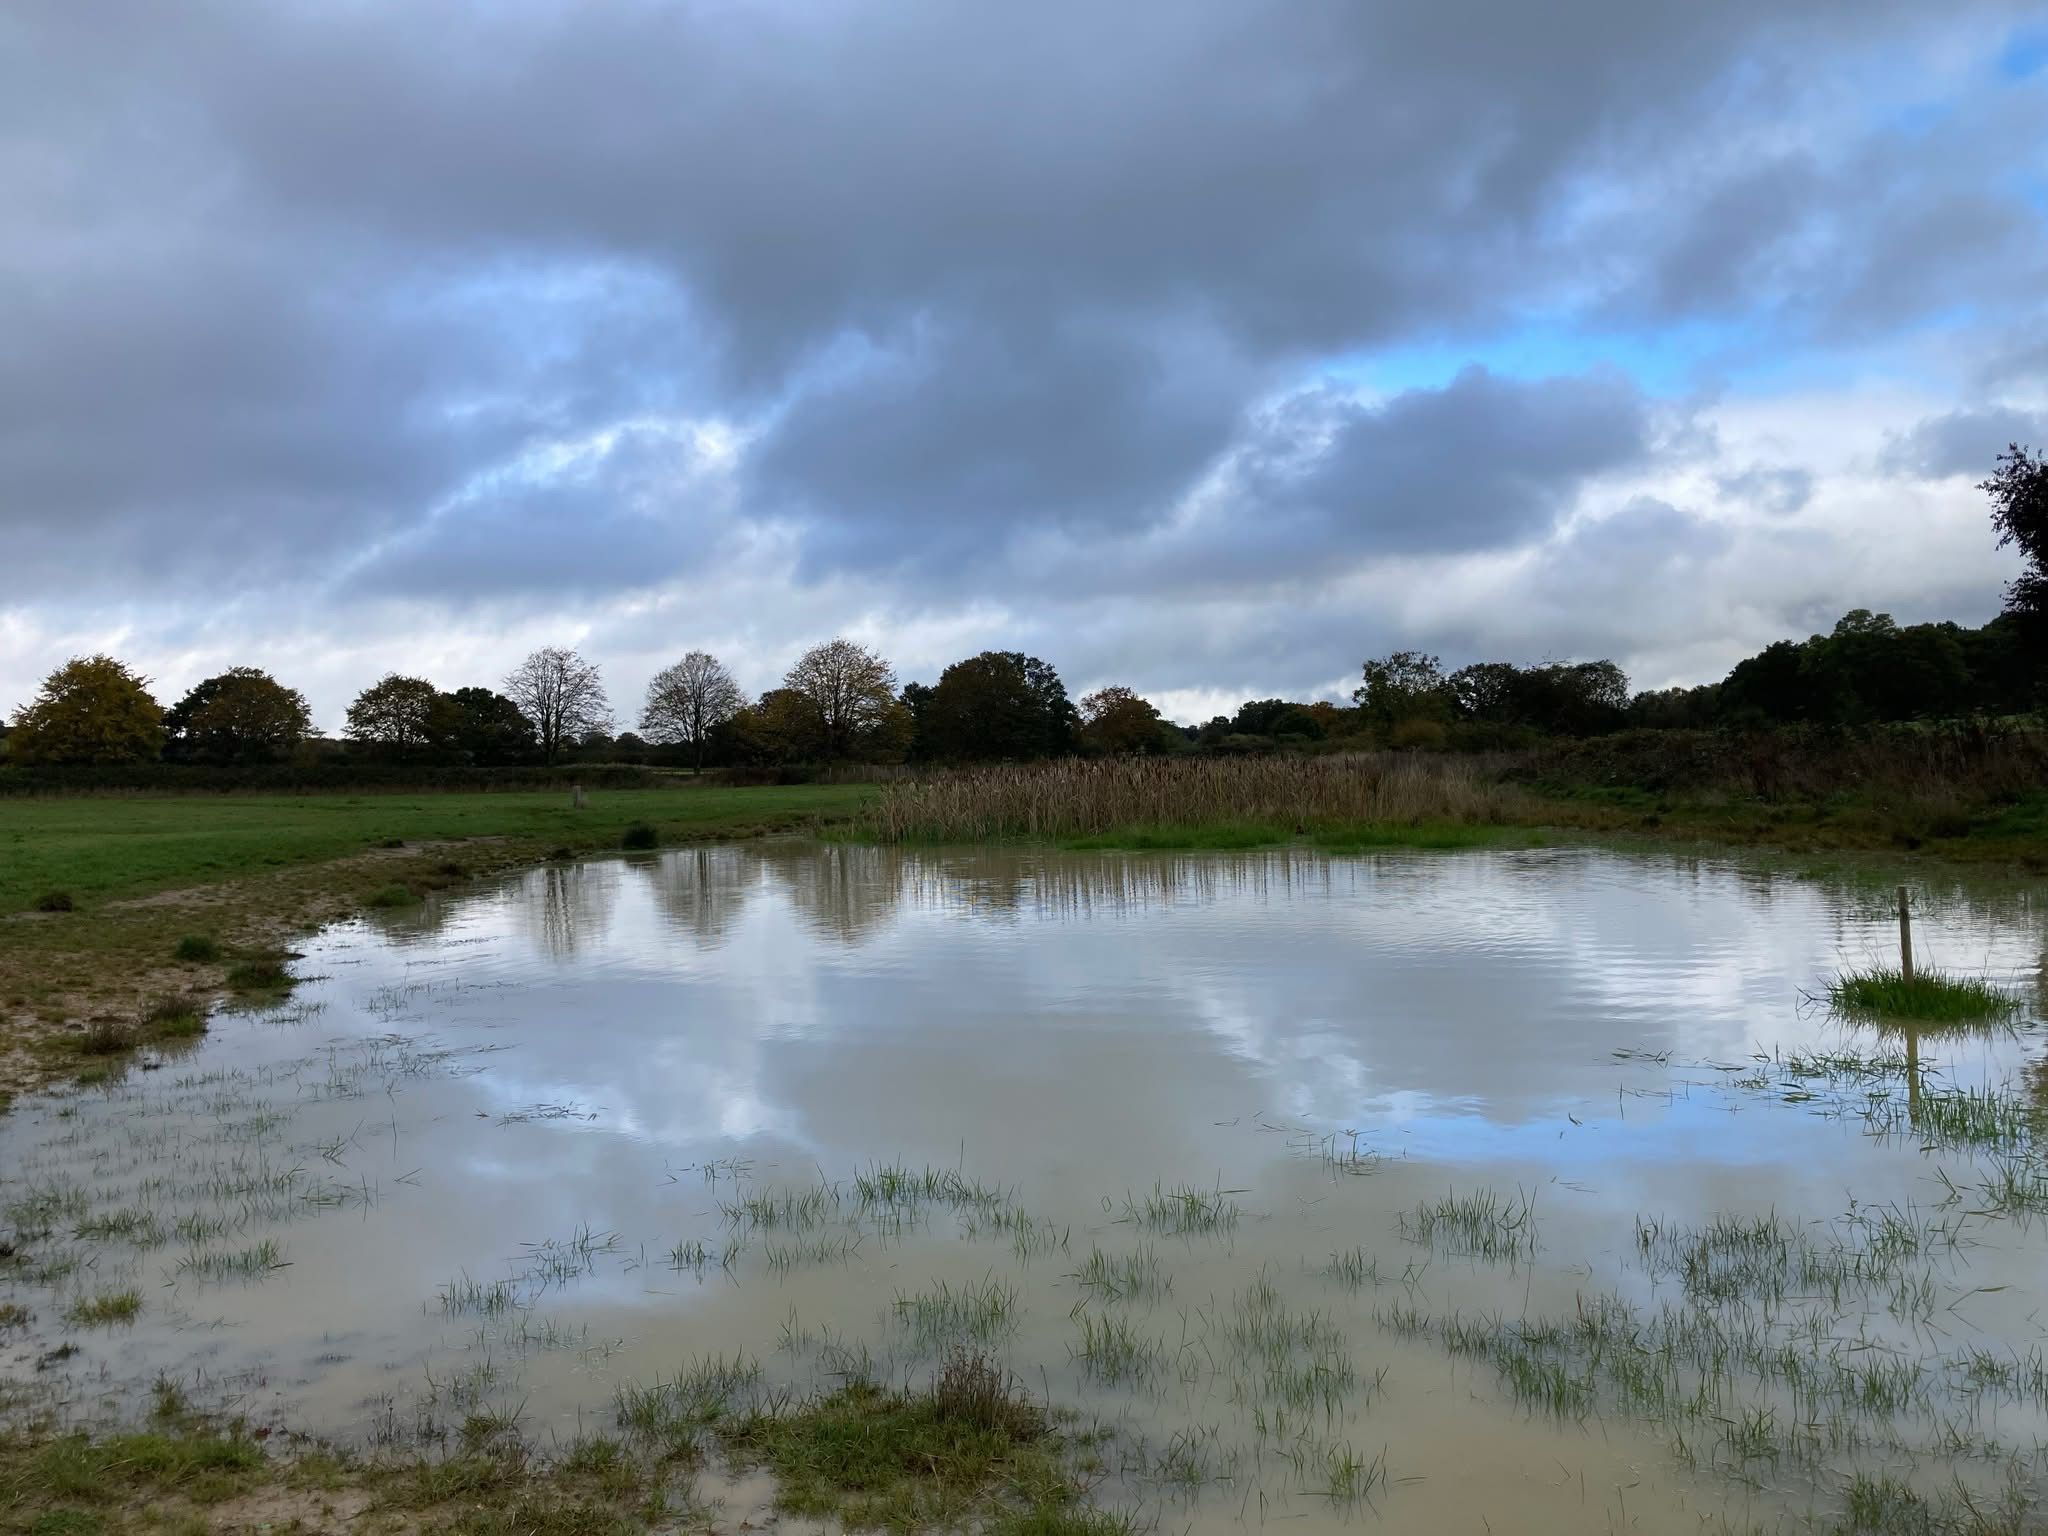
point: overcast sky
(1207, 348)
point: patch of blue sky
(1766, 352)
(2025, 54)
(1669, 359)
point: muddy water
(835, 1109)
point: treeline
(840, 703)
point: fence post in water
(576, 803)
(1905, 938)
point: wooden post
(1905, 938)
(576, 803)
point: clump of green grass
(640, 834)
(196, 949)
(1480, 1225)
(480, 1297)
(260, 973)
(390, 896)
(1182, 1210)
(1113, 1349)
(51, 1479)
(211, 1265)
(127, 1224)
(977, 1312)
(56, 901)
(1935, 996)
(104, 1308)
(174, 1018)
(970, 1450)
(1135, 1276)
(108, 1037)
(670, 1413)
(14, 1315)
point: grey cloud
(1965, 442)
(1483, 462)
(951, 437)
(1779, 490)
(289, 289)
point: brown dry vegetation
(1081, 798)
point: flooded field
(1518, 1191)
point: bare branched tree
(850, 687)
(562, 694)
(690, 700)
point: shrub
(640, 834)
(390, 896)
(197, 949)
(56, 901)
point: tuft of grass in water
(1352, 1479)
(213, 1266)
(787, 1210)
(1113, 1350)
(1479, 1225)
(899, 1186)
(1182, 1210)
(104, 1308)
(260, 973)
(977, 1312)
(1135, 1276)
(174, 1018)
(1931, 995)
(391, 896)
(108, 1037)
(670, 1413)
(128, 1224)
(196, 949)
(56, 901)
(482, 1298)
(640, 834)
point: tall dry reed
(1088, 797)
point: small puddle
(1509, 1190)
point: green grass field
(105, 849)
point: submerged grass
(1481, 1225)
(1934, 996)
(103, 1309)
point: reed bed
(1282, 796)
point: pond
(1531, 1188)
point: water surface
(502, 1149)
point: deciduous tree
(851, 689)
(92, 709)
(484, 725)
(1116, 721)
(394, 714)
(241, 715)
(1000, 704)
(689, 701)
(2018, 489)
(563, 695)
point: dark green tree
(484, 725)
(242, 715)
(1000, 705)
(2018, 489)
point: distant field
(106, 849)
